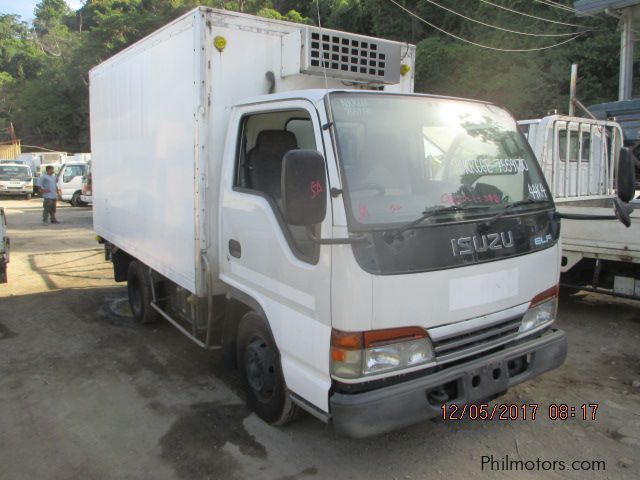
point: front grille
(462, 344)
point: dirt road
(87, 393)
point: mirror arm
(336, 241)
(622, 213)
(582, 216)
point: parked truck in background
(16, 179)
(37, 161)
(579, 158)
(4, 247)
(627, 114)
(358, 251)
(86, 194)
(70, 181)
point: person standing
(48, 183)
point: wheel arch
(239, 304)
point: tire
(75, 200)
(261, 372)
(27, 196)
(139, 292)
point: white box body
(159, 114)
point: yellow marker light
(220, 43)
(404, 69)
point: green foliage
(291, 16)
(44, 66)
(528, 83)
(49, 14)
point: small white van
(16, 179)
(70, 182)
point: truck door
(269, 260)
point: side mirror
(304, 187)
(626, 180)
(622, 211)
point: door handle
(235, 250)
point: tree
(49, 14)
(44, 68)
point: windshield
(402, 155)
(72, 171)
(15, 172)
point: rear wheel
(259, 364)
(139, 290)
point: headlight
(538, 315)
(379, 359)
(361, 354)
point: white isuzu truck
(579, 158)
(359, 251)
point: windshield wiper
(490, 221)
(430, 212)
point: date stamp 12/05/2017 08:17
(518, 411)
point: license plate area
(486, 381)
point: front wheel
(27, 196)
(259, 363)
(139, 290)
(75, 200)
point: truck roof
(263, 23)
(316, 95)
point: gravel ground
(87, 393)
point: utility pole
(625, 89)
(572, 89)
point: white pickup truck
(579, 158)
(359, 251)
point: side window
(302, 128)
(68, 174)
(264, 140)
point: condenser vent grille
(351, 57)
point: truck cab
(423, 272)
(70, 179)
(16, 179)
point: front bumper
(371, 413)
(16, 191)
